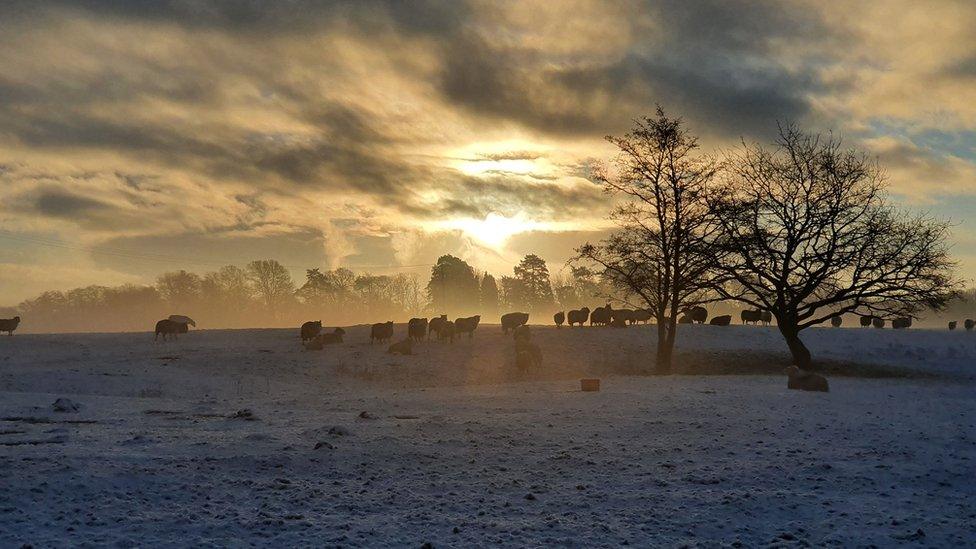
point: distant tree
(94, 308)
(806, 233)
(533, 274)
(181, 290)
(453, 286)
(130, 305)
(514, 295)
(331, 293)
(272, 284)
(964, 306)
(407, 294)
(660, 253)
(227, 295)
(489, 296)
(588, 284)
(375, 295)
(566, 297)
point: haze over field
(144, 137)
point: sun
(494, 230)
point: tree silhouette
(660, 253)
(588, 284)
(272, 284)
(805, 233)
(181, 290)
(489, 296)
(513, 293)
(536, 288)
(330, 293)
(453, 288)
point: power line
(149, 256)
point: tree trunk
(801, 355)
(665, 346)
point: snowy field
(236, 438)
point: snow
(211, 440)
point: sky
(148, 136)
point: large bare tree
(806, 233)
(659, 253)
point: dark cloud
(62, 204)
(965, 68)
(706, 65)
(208, 251)
(258, 16)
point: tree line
(264, 294)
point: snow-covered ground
(353, 447)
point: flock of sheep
(419, 329)
(608, 316)
(528, 355)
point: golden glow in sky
(494, 230)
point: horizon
(387, 134)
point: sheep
(579, 316)
(723, 320)
(318, 342)
(952, 325)
(621, 316)
(381, 331)
(968, 324)
(9, 325)
(467, 325)
(168, 328)
(698, 314)
(404, 347)
(601, 315)
(559, 318)
(805, 381)
(866, 320)
(446, 331)
(314, 344)
(417, 329)
(901, 323)
(836, 321)
(618, 322)
(749, 316)
(183, 319)
(434, 327)
(510, 321)
(334, 338)
(877, 322)
(766, 317)
(310, 330)
(528, 355)
(643, 315)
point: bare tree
(805, 232)
(272, 284)
(659, 254)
